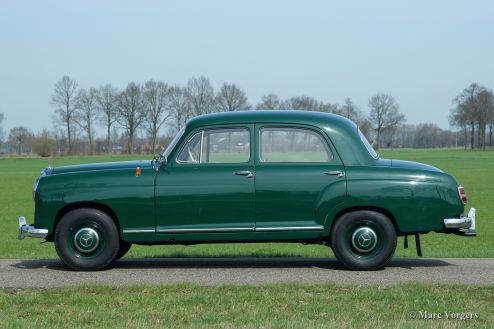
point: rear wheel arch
(382, 211)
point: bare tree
(19, 138)
(86, 113)
(2, 132)
(179, 106)
(44, 144)
(231, 98)
(201, 94)
(484, 115)
(468, 108)
(269, 102)
(107, 100)
(63, 99)
(384, 115)
(301, 103)
(130, 113)
(155, 100)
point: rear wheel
(87, 239)
(363, 240)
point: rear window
(368, 146)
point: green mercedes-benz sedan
(254, 176)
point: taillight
(463, 195)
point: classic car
(253, 176)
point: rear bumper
(30, 230)
(463, 222)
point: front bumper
(30, 230)
(463, 222)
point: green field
(274, 306)
(475, 170)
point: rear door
(299, 177)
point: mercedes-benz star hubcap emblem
(86, 240)
(364, 239)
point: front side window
(285, 144)
(229, 145)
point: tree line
(142, 116)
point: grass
(473, 169)
(275, 306)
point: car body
(253, 176)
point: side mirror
(159, 161)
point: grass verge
(276, 306)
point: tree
(384, 115)
(201, 95)
(130, 112)
(231, 98)
(470, 112)
(2, 133)
(179, 106)
(155, 100)
(19, 138)
(63, 99)
(86, 113)
(304, 103)
(44, 144)
(484, 115)
(107, 100)
(269, 102)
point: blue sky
(422, 52)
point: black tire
(363, 240)
(87, 239)
(124, 248)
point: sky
(421, 52)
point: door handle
(335, 173)
(247, 173)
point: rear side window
(287, 144)
(230, 145)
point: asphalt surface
(254, 271)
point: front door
(299, 178)
(208, 187)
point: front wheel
(87, 239)
(363, 240)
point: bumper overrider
(30, 230)
(463, 222)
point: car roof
(320, 119)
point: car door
(208, 187)
(299, 177)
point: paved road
(256, 271)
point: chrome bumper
(463, 222)
(29, 230)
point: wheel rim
(364, 240)
(86, 240)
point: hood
(102, 166)
(413, 165)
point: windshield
(174, 142)
(367, 145)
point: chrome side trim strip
(138, 231)
(242, 229)
(290, 228)
(206, 230)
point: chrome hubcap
(364, 239)
(86, 240)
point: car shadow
(230, 262)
